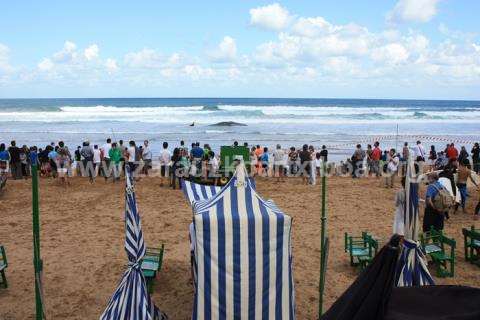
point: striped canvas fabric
(131, 300)
(196, 192)
(412, 268)
(242, 253)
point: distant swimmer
(193, 124)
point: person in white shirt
(165, 159)
(97, 159)
(419, 155)
(392, 168)
(105, 149)
(419, 152)
(132, 155)
(279, 163)
(147, 157)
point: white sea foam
(258, 114)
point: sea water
(337, 123)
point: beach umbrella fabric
(412, 268)
(131, 300)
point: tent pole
(37, 262)
(323, 240)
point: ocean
(337, 123)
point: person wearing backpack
(438, 201)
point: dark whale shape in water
(228, 124)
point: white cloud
(111, 65)
(145, 58)
(45, 65)
(68, 53)
(196, 72)
(392, 53)
(312, 27)
(91, 52)
(226, 50)
(413, 10)
(271, 17)
(5, 59)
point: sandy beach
(82, 241)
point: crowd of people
(109, 159)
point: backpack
(443, 201)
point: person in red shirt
(375, 157)
(452, 152)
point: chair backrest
(3, 256)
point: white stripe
(188, 185)
(209, 192)
(244, 258)
(273, 261)
(228, 254)
(258, 256)
(201, 268)
(285, 269)
(214, 297)
(198, 188)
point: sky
(412, 49)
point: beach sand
(82, 234)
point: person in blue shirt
(197, 156)
(4, 158)
(264, 158)
(432, 217)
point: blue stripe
(204, 191)
(237, 297)
(207, 268)
(194, 191)
(266, 261)
(213, 190)
(222, 280)
(278, 285)
(251, 254)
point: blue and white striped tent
(131, 300)
(412, 267)
(242, 253)
(196, 192)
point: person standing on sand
(305, 163)
(405, 152)
(324, 154)
(463, 174)
(115, 155)
(369, 160)
(87, 160)
(399, 219)
(4, 159)
(476, 157)
(258, 153)
(278, 163)
(376, 156)
(165, 163)
(293, 161)
(432, 217)
(147, 157)
(97, 159)
(176, 168)
(392, 169)
(432, 157)
(106, 158)
(15, 162)
(463, 156)
(452, 152)
(357, 159)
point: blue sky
(365, 49)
